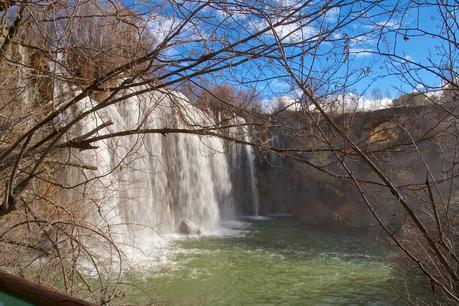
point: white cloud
(286, 101)
(289, 3)
(337, 36)
(419, 88)
(366, 103)
(295, 32)
(332, 15)
(388, 24)
(361, 52)
(233, 14)
(353, 103)
(409, 58)
(287, 32)
(161, 26)
(435, 94)
(362, 45)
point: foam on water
(256, 218)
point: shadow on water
(276, 262)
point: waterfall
(243, 169)
(274, 158)
(146, 184)
(253, 178)
(23, 82)
(138, 188)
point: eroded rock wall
(318, 198)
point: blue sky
(401, 33)
(417, 47)
(407, 36)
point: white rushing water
(243, 167)
(276, 141)
(146, 184)
(253, 178)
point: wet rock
(187, 227)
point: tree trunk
(35, 293)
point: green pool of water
(10, 300)
(276, 262)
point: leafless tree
(56, 55)
(429, 234)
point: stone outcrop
(319, 199)
(187, 227)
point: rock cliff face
(319, 199)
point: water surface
(276, 262)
